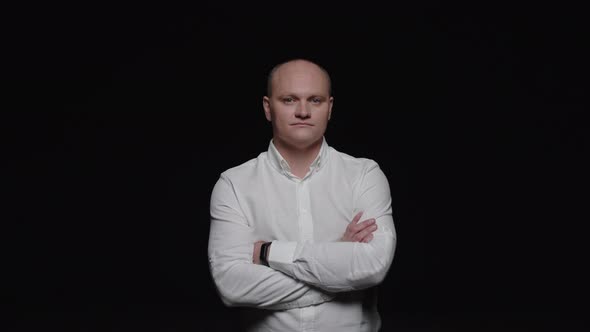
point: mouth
(302, 124)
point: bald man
(303, 232)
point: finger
(357, 218)
(367, 238)
(358, 237)
(362, 225)
(362, 234)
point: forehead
(300, 77)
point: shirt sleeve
(238, 280)
(345, 266)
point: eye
(316, 100)
(288, 100)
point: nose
(302, 111)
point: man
(286, 232)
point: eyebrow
(299, 97)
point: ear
(330, 109)
(266, 106)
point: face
(300, 104)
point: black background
(119, 118)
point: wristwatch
(264, 253)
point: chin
(303, 142)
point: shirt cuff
(281, 254)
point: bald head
(283, 69)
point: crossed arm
(300, 274)
(355, 232)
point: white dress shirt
(315, 282)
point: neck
(298, 158)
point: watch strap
(264, 253)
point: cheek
(287, 115)
(325, 116)
(282, 118)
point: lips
(302, 124)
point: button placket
(298, 195)
(305, 213)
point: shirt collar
(281, 164)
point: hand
(359, 232)
(256, 253)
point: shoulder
(237, 177)
(244, 170)
(364, 174)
